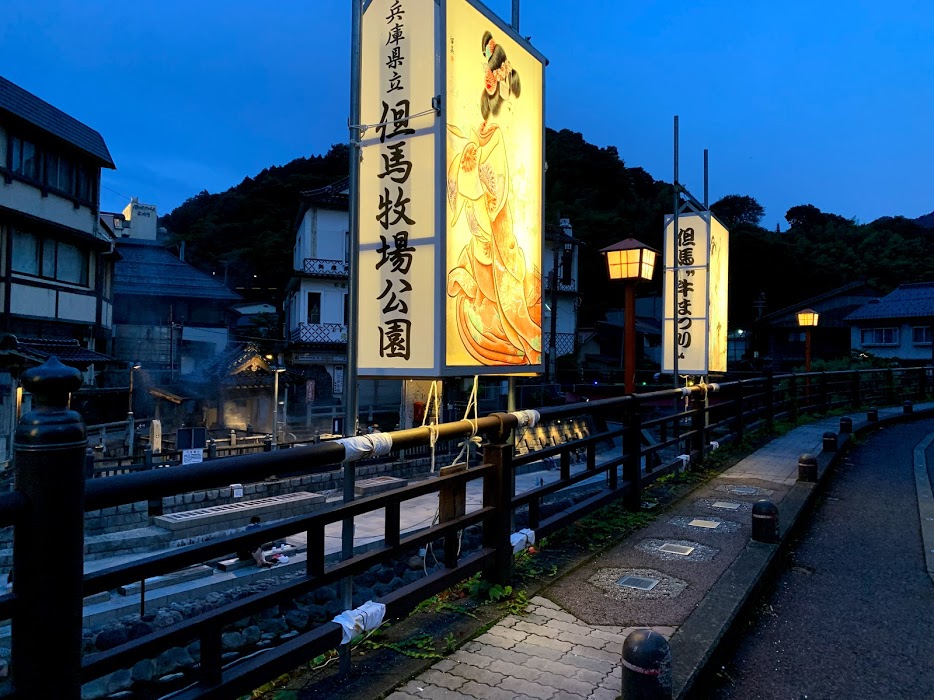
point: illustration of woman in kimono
(497, 297)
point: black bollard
(646, 672)
(872, 415)
(846, 424)
(50, 445)
(765, 521)
(807, 468)
(830, 442)
(908, 406)
(267, 443)
(212, 449)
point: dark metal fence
(52, 494)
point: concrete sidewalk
(569, 644)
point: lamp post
(630, 261)
(807, 319)
(276, 370)
(133, 367)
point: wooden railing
(52, 494)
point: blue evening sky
(828, 102)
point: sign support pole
(351, 397)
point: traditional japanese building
(56, 263)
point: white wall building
(316, 311)
(560, 244)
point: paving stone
(444, 680)
(581, 640)
(486, 692)
(444, 665)
(556, 615)
(607, 656)
(533, 690)
(466, 657)
(538, 651)
(508, 655)
(532, 628)
(572, 627)
(547, 643)
(398, 695)
(514, 670)
(608, 637)
(605, 694)
(480, 675)
(566, 685)
(544, 602)
(600, 665)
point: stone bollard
(908, 406)
(267, 443)
(212, 449)
(765, 521)
(807, 468)
(830, 442)
(50, 446)
(872, 415)
(88, 464)
(646, 672)
(846, 424)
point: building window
(60, 173)
(49, 259)
(314, 308)
(797, 336)
(25, 161)
(921, 335)
(879, 336)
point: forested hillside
(251, 228)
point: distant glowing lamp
(630, 261)
(807, 319)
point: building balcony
(320, 333)
(317, 267)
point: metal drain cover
(745, 490)
(726, 505)
(637, 582)
(709, 524)
(676, 549)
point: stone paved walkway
(544, 654)
(551, 653)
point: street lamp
(807, 319)
(632, 262)
(276, 370)
(133, 367)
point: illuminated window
(879, 336)
(921, 335)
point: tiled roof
(147, 269)
(39, 113)
(908, 301)
(334, 196)
(67, 350)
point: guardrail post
(267, 443)
(50, 444)
(130, 435)
(212, 449)
(452, 504)
(147, 458)
(740, 422)
(698, 423)
(824, 393)
(889, 386)
(496, 494)
(632, 459)
(854, 389)
(89, 464)
(769, 400)
(793, 397)
(233, 438)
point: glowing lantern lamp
(630, 261)
(807, 319)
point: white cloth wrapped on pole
(685, 461)
(527, 419)
(372, 445)
(714, 445)
(522, 540)
(355, 622)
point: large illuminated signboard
(697, 321)
(450, 193)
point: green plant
(421, 646)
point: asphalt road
(851, 614)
